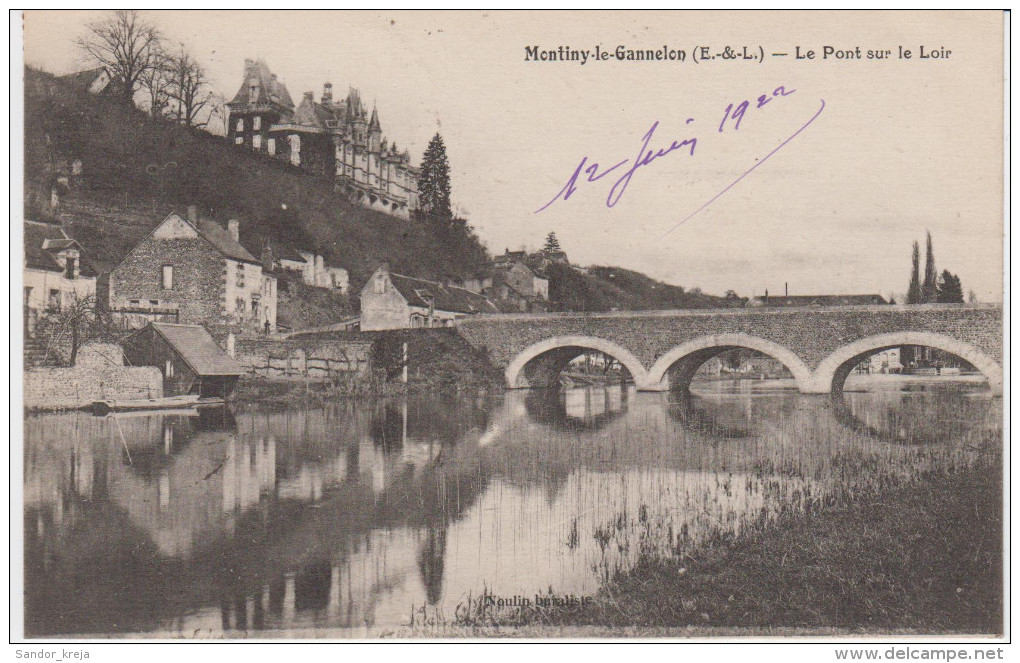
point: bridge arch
(692, 354)
(539, 364)
(834, 369)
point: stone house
(513, 285)
(395, 301)
(56, 276)
(316, 270)
(193, 271)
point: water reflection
(346, 516)
(577, 409)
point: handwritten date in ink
(653, 149)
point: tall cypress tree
(434, 183)
(929, 289)
(914, 291)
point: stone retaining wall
(99, 374)
(304, 358)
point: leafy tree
(914, 291)
(552, 244)
(972, 297)
(434, 183)
(950, 291)
(929, 288)
(126, 45)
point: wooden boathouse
(188, 356)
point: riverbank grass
(925, 557)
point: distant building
(56, 275)
(315, 269)
(188, 357)
(512, 284)
(395, 301)
(193, 271)
(92, 81)
(784, 301)
(334, 137)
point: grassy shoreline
(924, 557)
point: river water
(356, 518)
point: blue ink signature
(591, 171)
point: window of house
(271, 145)
(253, 92)
(380, 284)
(169, 370)
(239, 279)
(168, 277)
(239, 305)
(153, 302)
(256, 141)
(239, 140)
(54, 301)
(134, 302)
(254, 309)
(256, 122)
(240, 125)
(69, 267)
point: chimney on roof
(309, 96)
(267, 257)
(327, 94)
(787, 285)
(234, 228)
(193, 213)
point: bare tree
(156, 81)
(72, 325)
(188, 89)
(124, 44)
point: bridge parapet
(816, 344)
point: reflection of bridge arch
(539, 365)
(687, 358)
(834, 369)
(549, 408)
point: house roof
(83, 80)
(444, 298)
(42, 243)
(271, 90)
(198, 349)
(817, 300)
(222, 240)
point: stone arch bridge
(820, 346)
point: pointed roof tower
(374, 122)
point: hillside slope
(135, 170)
(615, 288)
(126, 186)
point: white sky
(902, 145)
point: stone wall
(306, 359)
(99, 374)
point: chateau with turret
(333, 137)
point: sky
(835, 176)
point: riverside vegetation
(904, 538)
